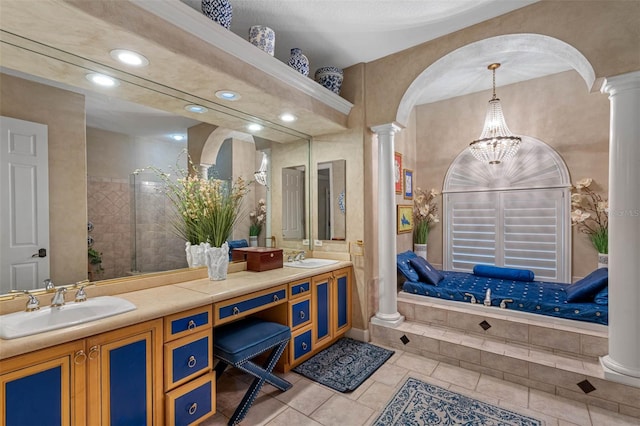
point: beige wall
(63, 113)
(556, 109)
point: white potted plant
(590, 214)
(425, 216)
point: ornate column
(203, 169)
(622, 364)
(387, 314)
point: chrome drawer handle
(301, 314)
(304, 345)
(236, 311)
(192, 325)
(193, 408)
(302, 290)
(275, 298)
(192, 361)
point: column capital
(389, 128)
(615, 84)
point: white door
(292, 204)
(24, 205)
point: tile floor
(309, 403)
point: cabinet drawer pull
(304, 345)
(275, 298)
(192, 361)
(80, 357)
(301, 314)
(93, 352)
(193, 408)
(191, 325)
(236, 311)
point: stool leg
(219, 368)
(262, 375)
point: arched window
(514, 214)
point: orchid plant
(425, 214)
(258, 218)
(590, 214)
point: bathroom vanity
(154, 365)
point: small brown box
(258, 258)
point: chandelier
(496, 143)
(261, 174)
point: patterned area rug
(419, 403)
(344, 365)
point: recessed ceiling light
(178, 137)
(129, 57)
(288, 117)
(227, 95)
(196, 108)
(254, 127)
(102, 80)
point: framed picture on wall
(408, 184)
(404, 218)
(397, 171)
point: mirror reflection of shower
(154, 246)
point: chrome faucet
(58, 299)
(472, 298)
(33, 304)
(81, 295)
(503, 304)
(49, 286)
(299, 256)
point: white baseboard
(358, 334)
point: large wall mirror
(97, 140)
(331, 202)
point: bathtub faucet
(503, 304)
(473, 298)
(487, 298)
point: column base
(618, 373)
(388, 320)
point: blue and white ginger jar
(299, 62)
(218, 10)
(330, 77)
(263, 38)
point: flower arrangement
(425, 214)
(206, 209)
(258, 218)
(590, 214)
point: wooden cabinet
(189, 380)
(124, 371)
(45, 387)
(110, 378)
(331, 295)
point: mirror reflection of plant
(425, 214)
(590, 214)
(258, 218)
(206, 209)
(95, 258)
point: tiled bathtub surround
(543, 356)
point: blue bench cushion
(244, 339)
(403, 262)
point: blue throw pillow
(427, 273)
(602, 298)
(405, 268)
(513, 274)
(233, 244)
(585, 289)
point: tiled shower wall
(109, 209)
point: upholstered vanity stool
(238, 342)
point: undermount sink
(310, 263)
(20, 324)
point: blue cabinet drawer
(299, 288)
(238, 307)
(187, 357)
(300, 344)
(193, 402)
(300, 312)
(187, 322)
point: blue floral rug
(344, 365)
(419, 403)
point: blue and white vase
(263, 38)
(330, 77)
(299, 62)
(218, 10)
